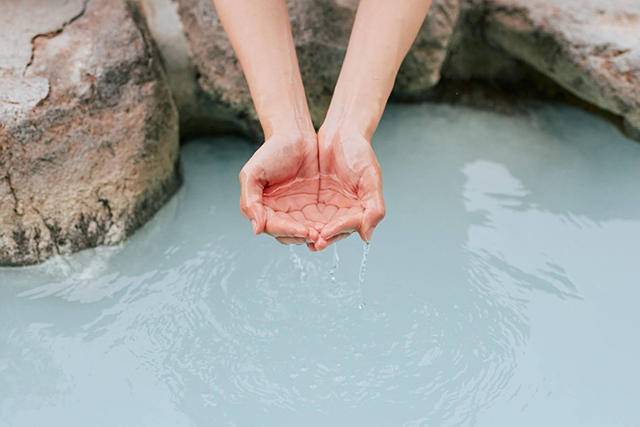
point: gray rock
(471, 58)
(88, 128)
(321, 28)
(589, 47)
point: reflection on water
(500, 291)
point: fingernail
(254, 225)
(370, 234)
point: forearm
(382, 34)
(260, 33)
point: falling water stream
(502, 290)
(335, 265)
(363, 266)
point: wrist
(293, 125)
(284, 110)
(346, 125)
(354, 114)
(332, 132)
(298, 129)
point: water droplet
(336, 261)
(297, 262)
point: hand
(279, 189)
(350, 193)
(307, 189)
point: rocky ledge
(590, 47)
(93, 93)
(88, 130)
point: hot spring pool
(502, 289)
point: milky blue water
(501, 290)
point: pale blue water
(501, 290)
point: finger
(322, 244)
(281, 226)
(313, 235)
(251, 201)
(372, 217)
(312, 247)
(291, 240)
(257, 216)
(374, 210)
(345, 224)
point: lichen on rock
(88, 130)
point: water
(501, 289)
(336, 263)
(363, 266)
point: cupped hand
(300, 190)
(350, 188)
(279, 189)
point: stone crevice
(53, 33)
(52, 232)
(107, 207)
(17, 208)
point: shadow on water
(195, 322)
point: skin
(306, 188)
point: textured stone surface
(589, 47)
(321, 31)
(88, 129)
(471, 58)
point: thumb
(374, 212)
(258, 218)
(251, 202)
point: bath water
(336, 264)
(502, 289)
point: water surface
(501, 290)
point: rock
(221, 100)
(166, 28)
(589, 47)
(88, 128)
(421, 69)
(471, 58)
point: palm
(290, 204)
(350, 185)
(280, 186)
(300, 191)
